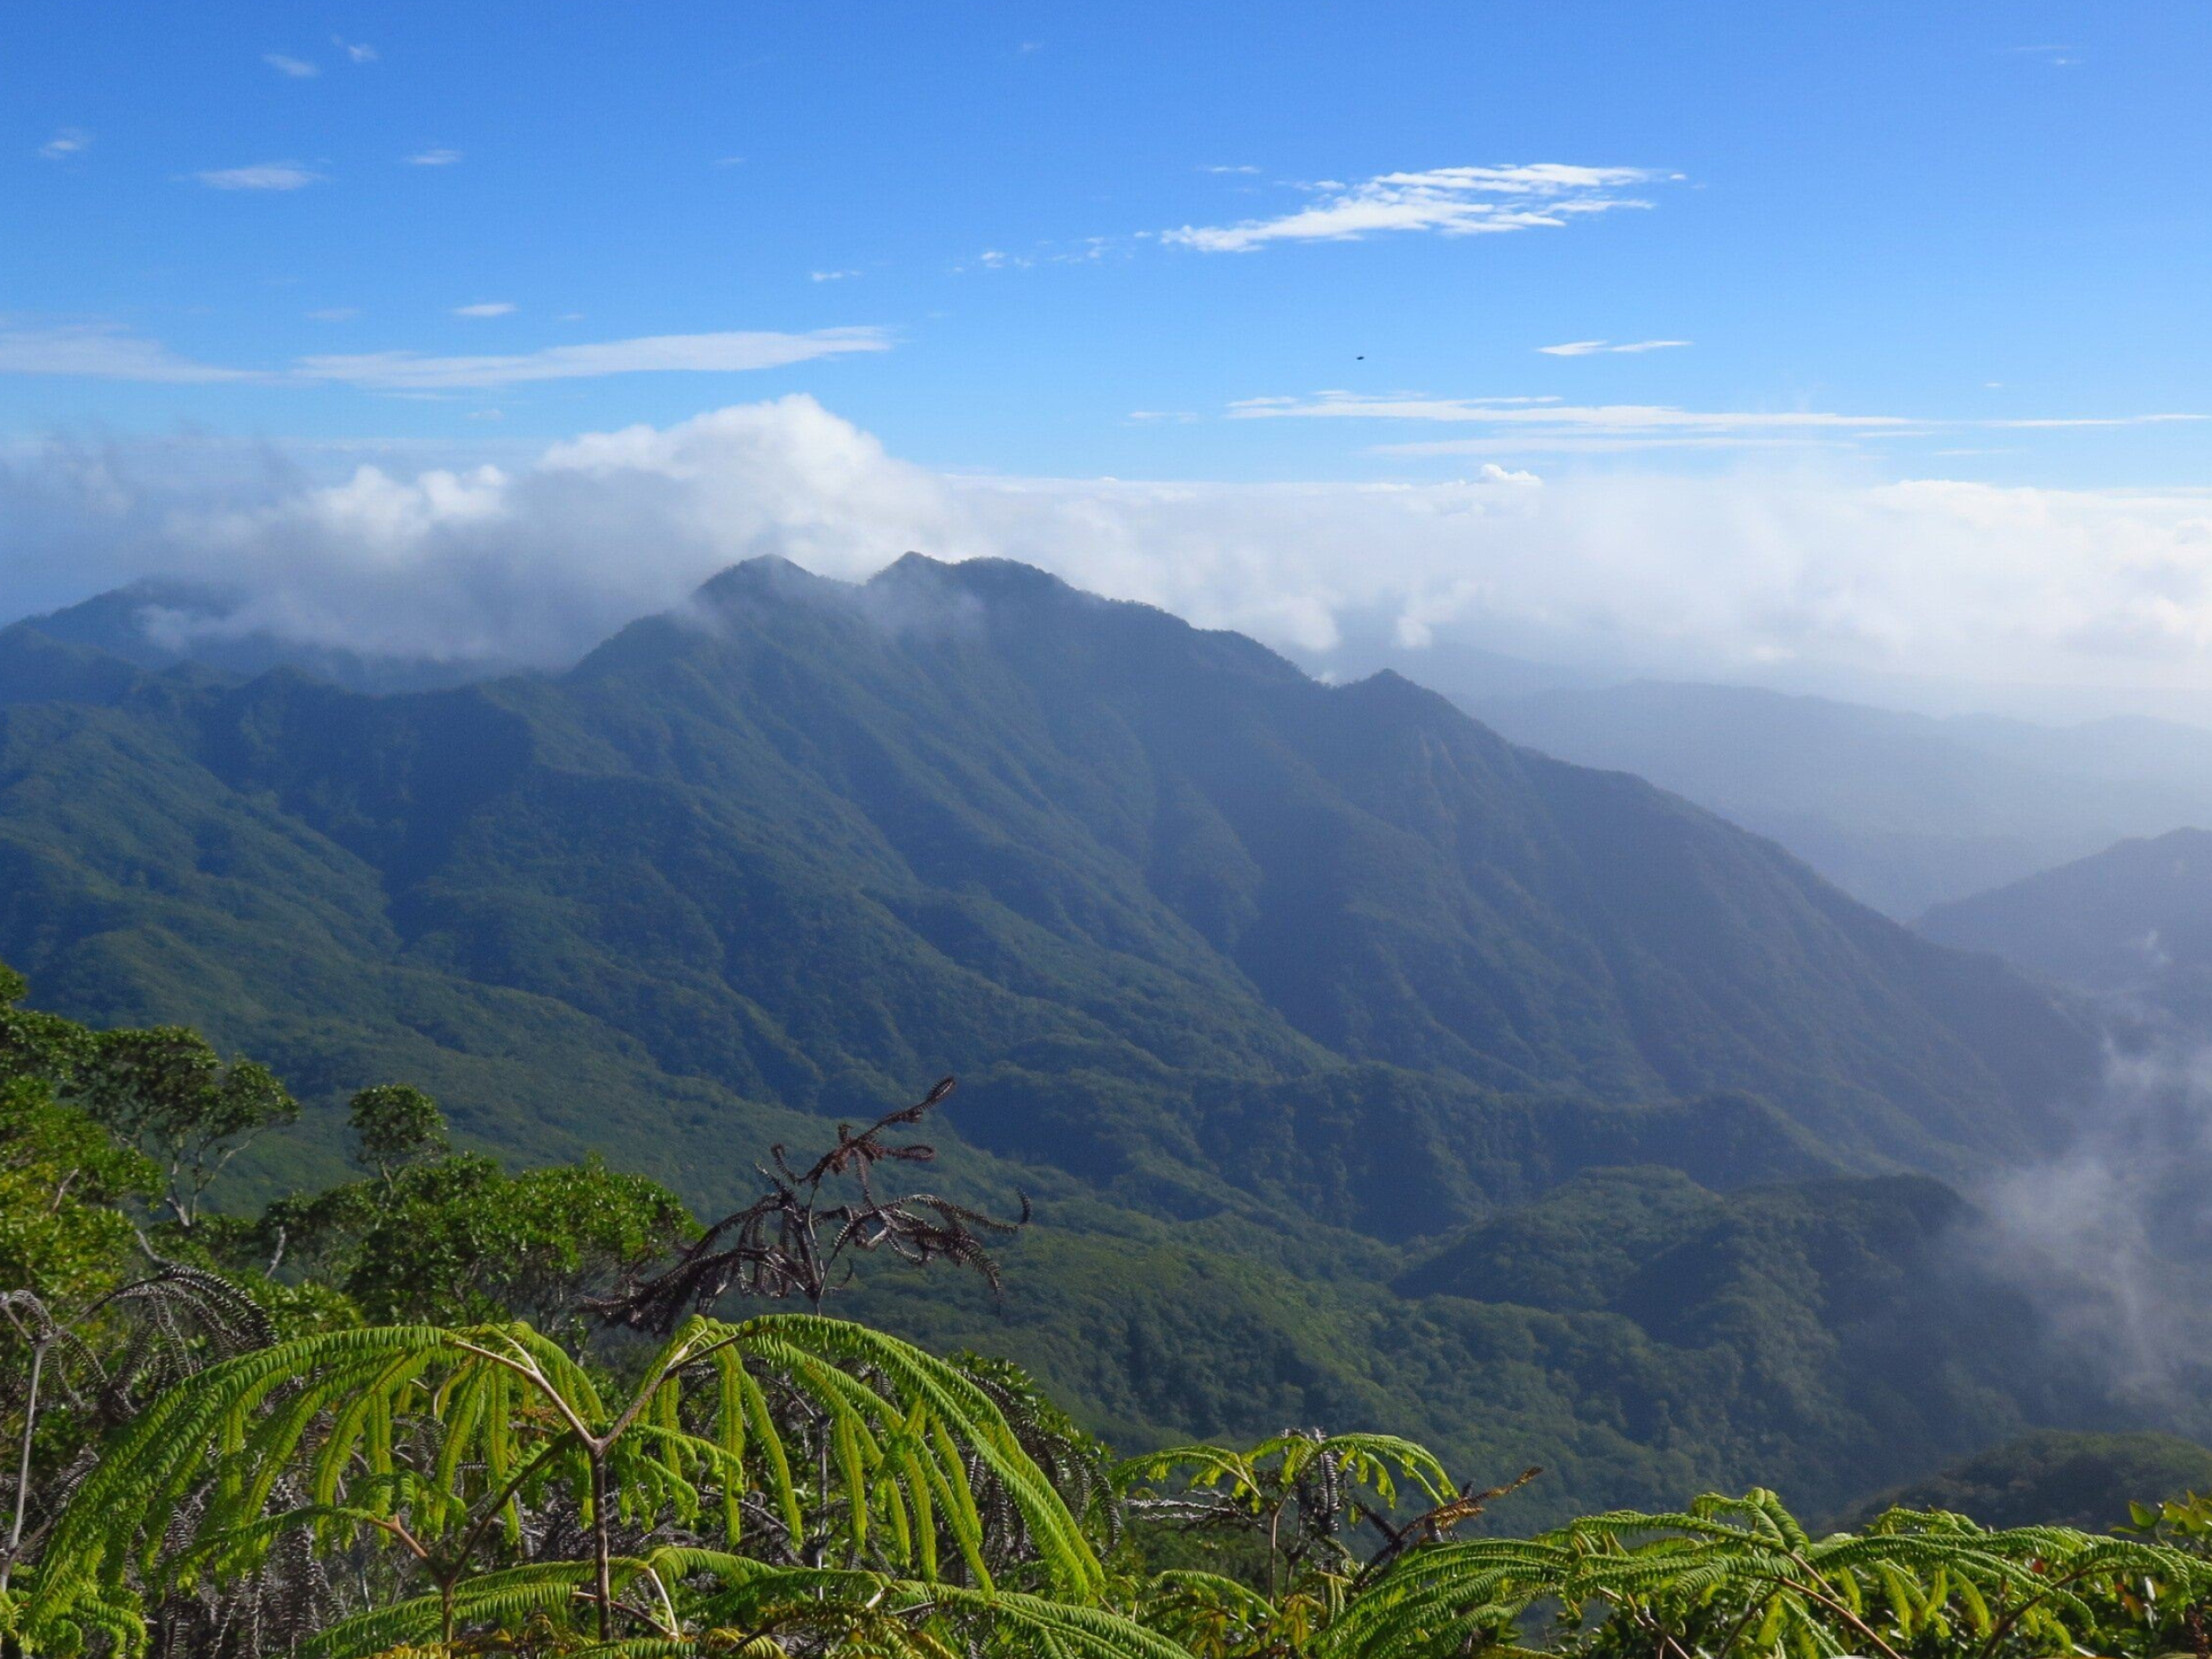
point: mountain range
(1903, 811)
(1301, 1008)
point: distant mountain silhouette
(158, 624)
(2128, 918)
(1902, 810)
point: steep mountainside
(2125, 919)
(809, 842)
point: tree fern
(790, 1436)
(1737, 1577)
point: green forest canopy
(323, 1429)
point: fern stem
(602, 1553)
(23, 1464)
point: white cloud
(263, 175)
(830, 275)
(70, 141)
(110, 351)
(1598, 348)
(433, 158)
(358, 51)
(1446, 201)
(2068, 420)
(1228, 169)
(297, 69)
(1754, 572)
(103, 351)
(486, 308)
(691, 353)
(729, 161)
(1532, 424)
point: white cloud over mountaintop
(1442, 201)
(1706, 577)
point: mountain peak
(984, 578)
(764, 575)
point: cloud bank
(1738, 576)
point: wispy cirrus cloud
(70, 141)
(1608, 348)
(433, 158)
(358, 52)
(486, 308)
(262, 175)
(726, 353)
(1441, 200)
(1527, 424)
(294, 69)
(109, 351)
(104, 351)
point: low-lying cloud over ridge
(1736, 576)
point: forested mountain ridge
(2126, 918)
(805, 841)
(1252, 982)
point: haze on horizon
(1862, 354)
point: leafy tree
(168, 1092)
(33, 1045)
(63, 1182)
(456, 1240)
(396, 1126)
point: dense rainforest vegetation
(437, 1408)
(1341, 1041)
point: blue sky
(1851, 346)
(1932, 215)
